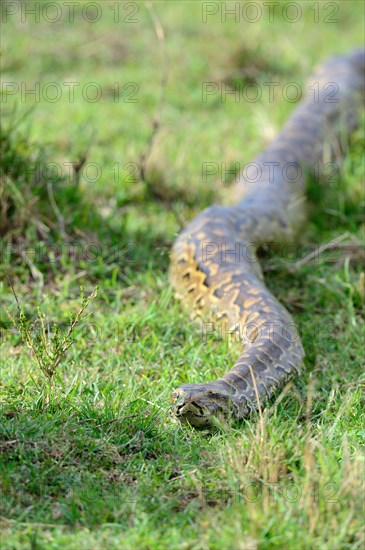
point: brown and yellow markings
(255, 291)
(220, 283)
(227, 304)
(235, 293)
(251, 302)
(213, 269)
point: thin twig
(258, 406)
(287, 266)
(66, 342)
(156, 123)
(20, 312)
(315, 253)
(84, 156)
(12, 288)
(289, 386)
(12, 521)
(36, 274)
(357, 383)
(56, 210)
(151, 403)
(40, 352)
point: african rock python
(214, 268)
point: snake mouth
(191, 408)
(201, 409)
(191, 413)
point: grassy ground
(97, 462)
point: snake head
(200, 406)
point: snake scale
(214, 267)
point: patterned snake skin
(214, 268)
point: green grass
(102, 464)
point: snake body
(214, 267)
